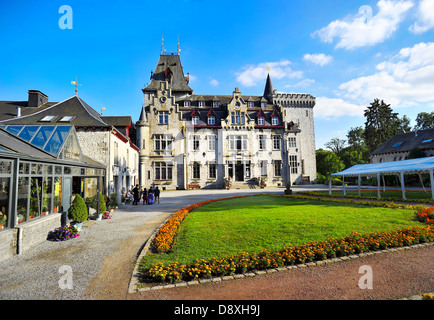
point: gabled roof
(404, 142)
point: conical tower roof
(268, 92)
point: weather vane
(76, 85)
(162, 43)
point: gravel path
(103, 257)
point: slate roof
(404, 142)
(169, 64)
(82, 114)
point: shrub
(102, 206)
(112, 202)
(78, 210)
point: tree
(424, 120)
(351, 156)
(336, 145)
(328, 162)
(381, 124)
(416, 153)
(356, 142)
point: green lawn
(253, 223)
(417, 195)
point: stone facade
(203, 141)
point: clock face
(163, 99)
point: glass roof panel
(28, 132)
(14, 129)
(42, 136)
(56, 141)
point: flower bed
(313, 251)
(63, 233)
(426, 215)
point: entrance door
(66, 193)
(239, 171)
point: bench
(193, 186)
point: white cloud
(327, 108)
(301, 84)
(425, 17)
(318, 58)
(365, 29)
(404, 80)
(214, 82)
(251, 75)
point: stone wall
(23, 237)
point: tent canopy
(394, 167)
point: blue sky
(345, 53)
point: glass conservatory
(41, 168)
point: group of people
(149, 196)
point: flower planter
(78, 225)
(99, 217)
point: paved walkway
(100, 262)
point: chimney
(18, 112)
(36, 98)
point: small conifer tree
(78, 210)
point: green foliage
(416, 153)
(78, 210)
(424, 121)
(112, 201)
(328, 162)
(102, 206)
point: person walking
(145, 196)
(157, 195)
(136, 194)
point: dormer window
(263, 104)
(275, 121)
(201, 104)
(250, 104)
(216, 104)
(195, 121)
(187, 104)
(261, 121)
(211, 120)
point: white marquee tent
(399, 168)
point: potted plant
(78, 212)
(3, 219)
(102, 207)
(56, 203)
(44, 210)
(112, 201)
(288, 190)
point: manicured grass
(252, 224)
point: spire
(142, 118)
(268, 92)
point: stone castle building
(189, 140)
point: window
(211, 143)
(398, 144)
(186, 103)
(292, 142)
(212, 170)
(261, 142)
(164, 117)
(201, 104)
(275, 121)
(427, 141)
(250, 104)
(196, 170)
(277, 168)
(264, 168)
(196, 140)
(238, 143)
(162, 142)
(216, 104)
(276, 142)
(263, 104)
(211, 120)
(261, 121)
(293, 164)
(47, 118)
(237, 117)
(66, 119)
(195, 121)
(163, 171)
(116, 153)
